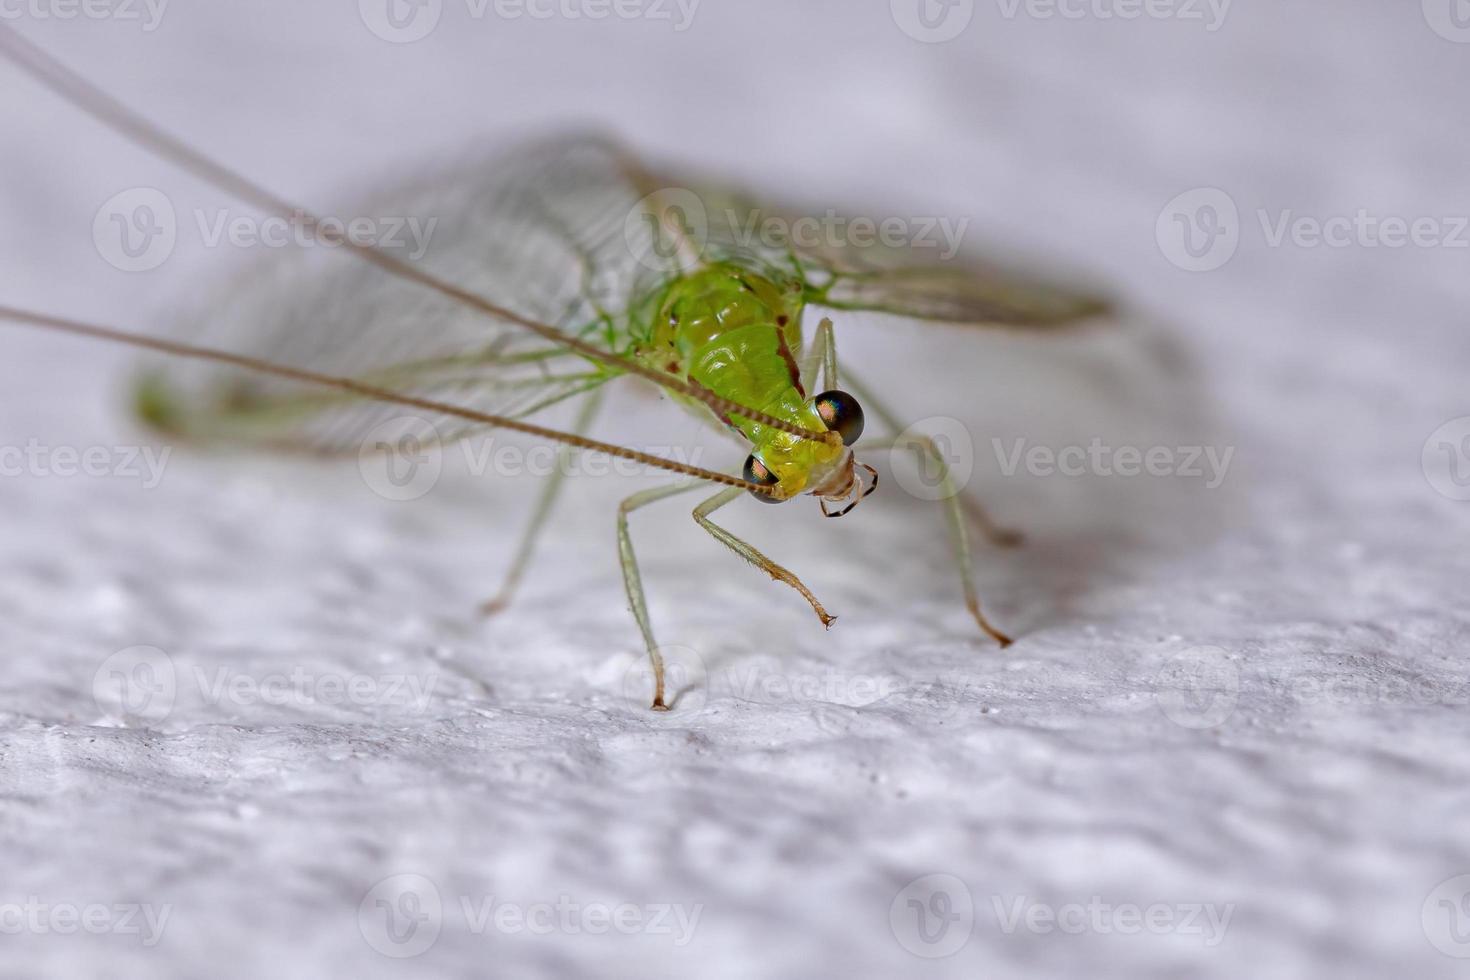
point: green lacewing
(568, 263)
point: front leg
(633, 581)
(750, 554)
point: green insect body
(738, 333)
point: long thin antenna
(92, 100)
(367, 391)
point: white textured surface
(1324, 807)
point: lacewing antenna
(374, 392)
(81, 93)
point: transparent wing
(542, 231)
(855, 266)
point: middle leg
(958, 533)
(994, 533)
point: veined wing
(542, 230)
(913, 280)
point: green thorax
(738, 333)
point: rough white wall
(1229, 741)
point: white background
(1305, 621)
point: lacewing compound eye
(756, 472)
(841, 413)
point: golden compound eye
(756, 472)
(840, 413)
